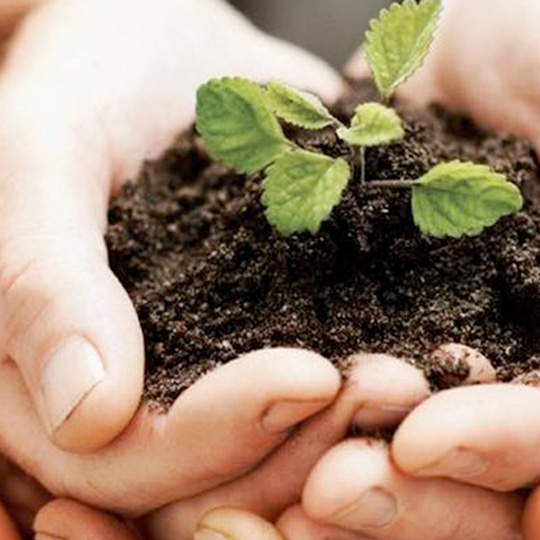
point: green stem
(362, 165)
(390, 184)
(339, 124)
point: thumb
(292, 64)
(65, 319)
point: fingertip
(235, 524)
(294, 524)
(357, 66)
(84, 362)
(330, 486)
(114, 391)
(472, 434)
(389, 388)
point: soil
(211, 280)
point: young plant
(239, 122)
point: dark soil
(211, 280)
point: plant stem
(362, 165)
(390, 184)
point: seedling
(239, 122)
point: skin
(483, 437)
(58, 127)
(275, 484)
(73, 129)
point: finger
(356, 486)
(531, 517)
(196, 446)
(294, 524)
(8, 531)
(474, 435)
(267, 393)
(235, 524)
(390, 389)
(69, 520)
(66, 320)
(277, 482)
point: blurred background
(333, 29)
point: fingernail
(40, 536)
(375, 508)
(205, 533)
(285, 414)
(68, 375)
(458, 463)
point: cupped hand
(74, 521)
(485, 63)
(88, 90)
(378, 393)
(365, 488)
(355, 489)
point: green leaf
(237, 125)
(399, 40)
(301, 189)
(459, 198)
(298, 108)
(373, 124)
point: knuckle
(25, 298)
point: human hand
(378, 393)
(359, 489)
(484, 63)
(82, 104)
(355, 491)
(75, 521)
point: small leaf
(460, 198)
(301, 189)
(237, 125)
(373, 124)
(298, 108)
(399, 40)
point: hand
(379, 392)
(82, 104)
(484, 63)
(355, 492)
(77, 522)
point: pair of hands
(90, 89)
